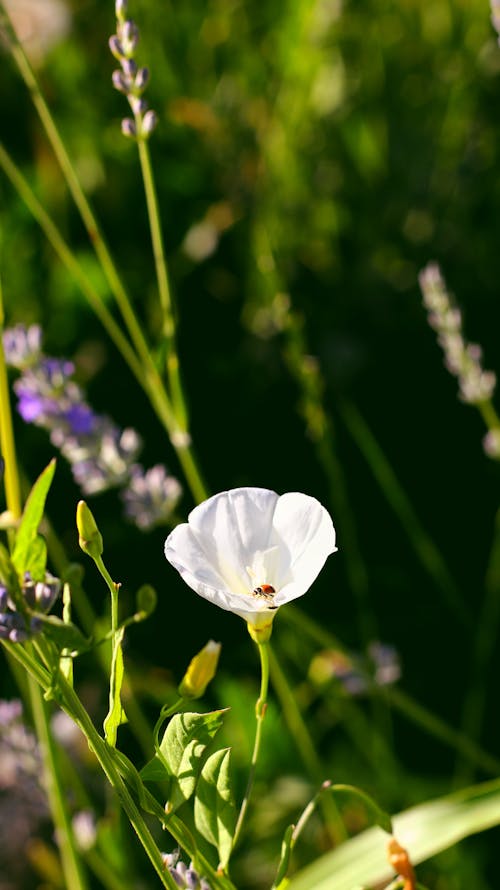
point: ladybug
(264, 590)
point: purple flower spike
(22, 345)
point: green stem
(77, 712)
(489, 415)
(12, 487)
(302, 738)
(73, 872)
(260, 712)
(163, 282)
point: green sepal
(286, 852)
(31, 518)
(214, 809)
(116, 715)
(182, 750)
(64, 634)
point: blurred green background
(311, 157)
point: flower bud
(149, 122)
(137, 104)
(128, 128)
(129, 67)
(141, 80)
(116, 47)
(200, 671)
(119, 81)
(90, 538)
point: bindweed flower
(250, 551)
(200, 672)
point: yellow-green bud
(90, 538)
(200, 671)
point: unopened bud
(137, 104)
(200, 671)
(119, 81)
(129, 67)
(141, 79)
(149, 122)
(116, 47)
(129, 35)
(128, 128)
(90, 538)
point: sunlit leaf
(116, 715)
(31, 518)
(183, 748)
(214, 810)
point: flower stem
(260, 712)
(12, 487)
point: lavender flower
(22, 345)
(355, 674)
(23, 806)
(101, 455)
(129, 79)
(39, 596)
(150, 496)
(184, 876)
(462, 359)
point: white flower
(250, 551)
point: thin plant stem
(12, 486)
(69, 857)
(72, 868)
(305, 746)
(260, 712)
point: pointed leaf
(116, 715)
(155, 771)
(286, 852)
(214, 810)
(31, 518)
(183, 748)
(37, 558)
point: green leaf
(214, 810)
(155, 771)
(64, 634)
(116, 715)
(424, 831)
(7, 571)
(37, 558)
(286, 852)
(183, 748)
(31, 518)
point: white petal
(231, 527)
(304, 531)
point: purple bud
(119, 82)
(129, 35)
(129, 67)
(4, 595)
(137, 104)
(128, 128)
(191, 878)
(149, 122)
(141, 79)
(116, 47)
